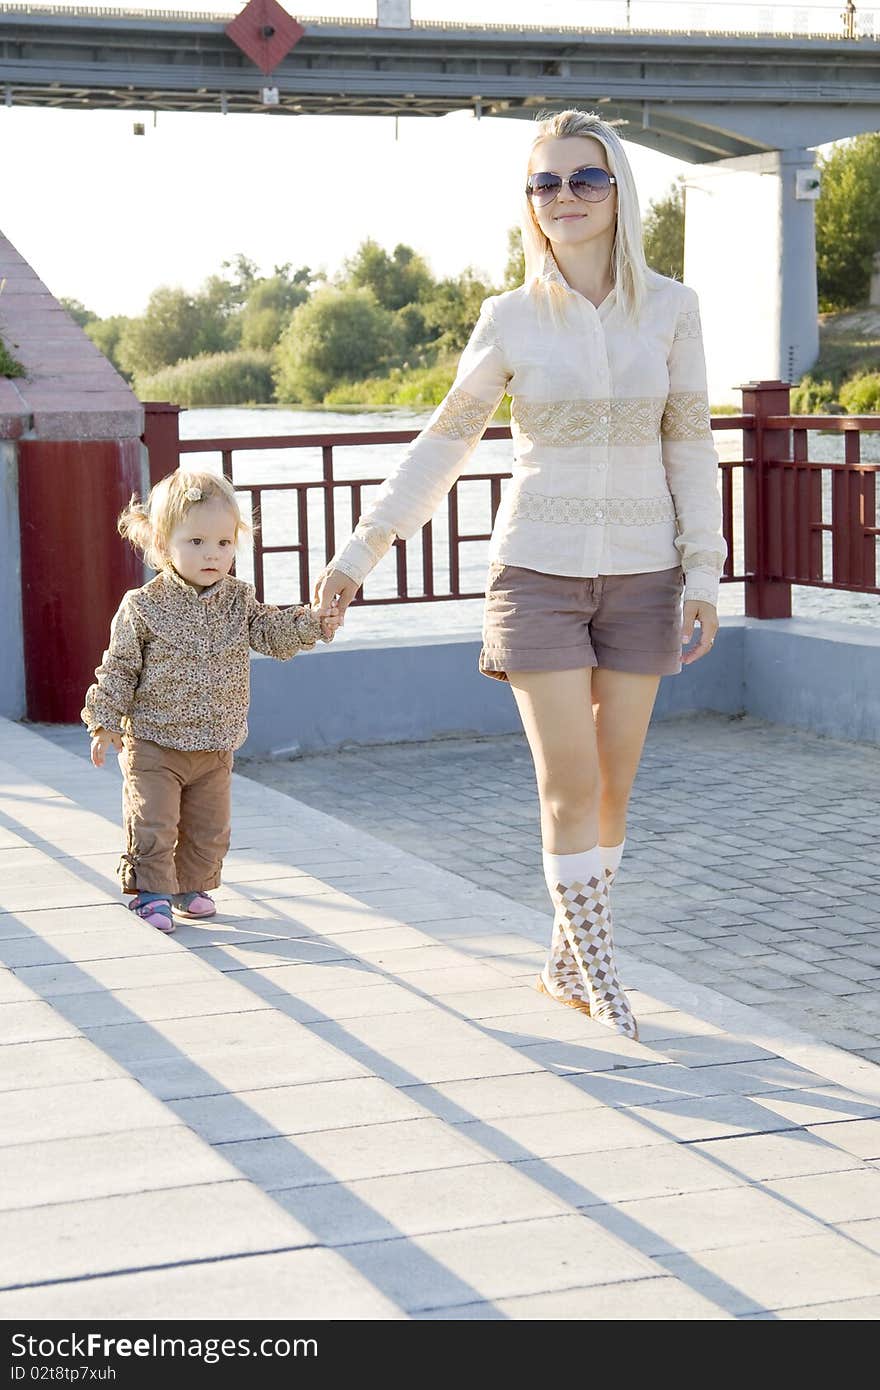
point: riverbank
(846, 376)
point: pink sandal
(156, 913)
(194, 906)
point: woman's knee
(568, 799)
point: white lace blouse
(614, 468)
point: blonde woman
(613, 510)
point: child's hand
(101, 741)
(331, 623)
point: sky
(105, 216)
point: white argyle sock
(611, 856)
(579, 886)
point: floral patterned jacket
(177, 670)
(614, 470)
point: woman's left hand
(698, 611)
(331, 623)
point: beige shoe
(545, 984)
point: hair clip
(193, 494)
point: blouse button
(603, 419)
(600, 516)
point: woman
(612, 510)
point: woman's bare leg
(586, 732)
(556, 712)
(622, 706)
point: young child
(173, 688)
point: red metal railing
(780, 514)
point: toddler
(171, 694)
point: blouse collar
(177, 581)
(551, 274)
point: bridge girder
(701, 98)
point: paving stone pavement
(344, 1098)
(752, 862)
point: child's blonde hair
(149, 525)
(629, 269)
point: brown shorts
(551, 622)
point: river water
(426, 620)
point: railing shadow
(574, 1059)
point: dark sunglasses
(590, 185)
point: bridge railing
(787, 518)
(739, 18)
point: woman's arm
(690, 459)
(417, 486)
(110, 699)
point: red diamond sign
(265, 32)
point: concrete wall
(405, 692)
(815, 675)
(811, 675)
(12, 703)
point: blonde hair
(628, 266)
(149, 525)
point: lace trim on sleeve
(461, 416)
(703, 560)
(686, 417)
(687, 325)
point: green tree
(413, 330)
(398, 279)
(340, 333)
(515, 266)
(77, 311)
(169, 331)
(105, 334)
(243, 273)
(453, 309)
(269, 305)
(218, 309)
(664, 232)
(848, 222)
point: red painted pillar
(767, 595)
(75, 567)
(162, 438)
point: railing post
(162, 438)
(767, 596)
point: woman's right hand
(333, 584)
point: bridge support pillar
(750, 253)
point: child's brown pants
(176, 812)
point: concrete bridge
(747, 109)
(698, 96)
